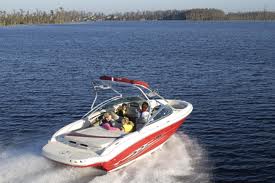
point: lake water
(225, 69)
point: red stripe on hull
(143, 146)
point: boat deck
(93, 137)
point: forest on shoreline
(59, 16)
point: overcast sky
(110, 6)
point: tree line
(60, 15)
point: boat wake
(179, 160)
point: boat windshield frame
(148, 94)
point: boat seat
(132, 112)
(114, 116)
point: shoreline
(121, 21)
(61, 16)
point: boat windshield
(110, 106)
(122, 100)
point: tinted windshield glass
(162, 113)
(110, 105)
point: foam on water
(179, 160)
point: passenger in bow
(108, 122)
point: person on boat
(143, 116)
(144, 113)
(127, 125)
(122, 111)
(108, 122)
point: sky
(111, 6)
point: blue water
(225, 69)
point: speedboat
(85, 143)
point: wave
(179, 160)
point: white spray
(176, 161)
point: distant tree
(204, 14)
(60, 15)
